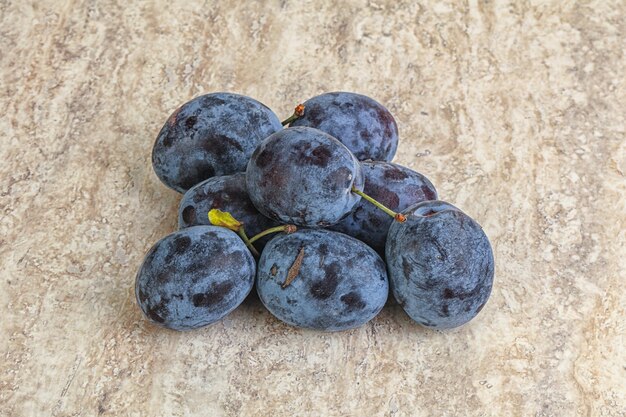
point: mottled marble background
(515, 110)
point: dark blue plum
(194, 277)
(440, 265)
(303, 176)
(211, 135)
(365, 126)
(337, 282)
(393, 185)
(227, 193)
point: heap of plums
(315, 214)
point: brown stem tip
(297, 113)
(299, 110)
(399, 217)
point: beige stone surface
(515, 110)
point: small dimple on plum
(189, 215)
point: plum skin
(226, 193)
(341, 283)
(395, 186)
(365, 126)
(194, 277)
(440, 265)
(211, 135)
(303, 176)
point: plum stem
(297, 113)
(399, 217)
(287, 228)
(225, 219)
(242, 233)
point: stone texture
(515, 110)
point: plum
(226, 193)
(194, 277)
(393, 185)
(211, 135)
(365, 126)
(303, 176)
(440, 265)
(320, 279)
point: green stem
(397, 216)
(247, 241)
(288, 228)
(289, 119)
